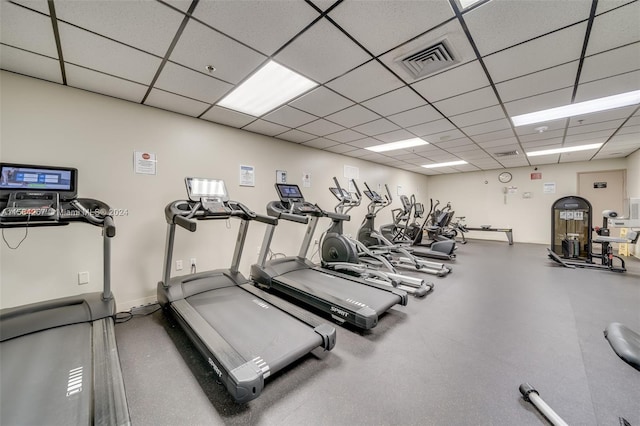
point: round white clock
(505, 177)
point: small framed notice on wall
(247, 176)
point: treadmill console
(30, 191)
(292, 200)
(211, 193)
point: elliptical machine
(342, 254)
(398, 255)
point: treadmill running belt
(254, 328)
(47, 377)
(351, 292)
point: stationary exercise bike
(344, 254)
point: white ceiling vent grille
(428, 60)
(506, 153)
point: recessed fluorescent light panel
(271, 86)
(407, 143)
(565, 149)
(467, 3)
(450, 163)
(601, 104)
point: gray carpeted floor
(506, 315)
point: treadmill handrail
(274, 210)
(187, 217)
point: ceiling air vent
(428, 60)
(505, 154)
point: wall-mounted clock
(505, 177)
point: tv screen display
(31, 178)
(288, 191)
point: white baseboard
(126, 306)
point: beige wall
(45, 123)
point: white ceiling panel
(489, 127)
(500, 23)
(39, 5)
(297, 136)
(536, 55)
(344, 136)
(200, 46)
(394, 136)
(335, 55)
(365, 82)
(471, 101)
(150, 26)
(576, 128)
(105, 84)
(625, 22)
(320, 143)
(415, 116)
(289, 117)
(324, 4)
(341, 148)
(170, 102)
(616, 61)
(537, 103)
(227, 117)
(183, 81)
(399, 100)
(551, 79)
(376, 127)
(432, 127)
(479, 116)
(353, 116)
(358, 18)
(491, 136)
(265, 128)
(498, 142)
(181, 5)
(364, 143)
(320, 127)
(92, 51)
(321, 102)
(605, 5)
(27, 30)
(464, 78)
(608, 86)
(23, 62)
(262, 24)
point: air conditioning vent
(506, 153)
(428, 60)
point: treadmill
(347, 299)
(58, 358)
(244, 333)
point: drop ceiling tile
(376, 127)
(393, 102)
(359, 18)
(606, 64)
(555, 78)
(289, 117)
(341, 148)
(597, 117)
(542, 144)
(27, 30)
(490, 136)
(353, 116)
(615, 28)
(479, 116)
(432, 127)
(39, 5)
(296, 136)
(322, 53)
(227, 117)
(498, 142)
(364, 143)
(455, 143)
(629, 130)
(365, 82)
(324, 4)
(473, 156)
(183, 81)
(344, 136)
(463, 148)
(471, 101)
(488, 127)
(451, 31)
(358, 153)
(89, 50)
(538, 103)
(608, 86)
(320, 127)
(170, 102)
(544, 52)
(575, 128)
(149, 26)
(265, 128)
(394, 136)
(500, 24)
(30, 64)
(444, 136)
(604, 6)
(321, 102)
(200, 46)
(83, 78)
(588, 138)
(263, 26)
(181, 5)
(320, 143)
(415, 116)
(464, 78)
(554, 128)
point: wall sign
(536, 175)
(598, 185)
(144, 163)
(247, 176)
(281, 176)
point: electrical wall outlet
(83, 278)
(192, 261)
(178, 265)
